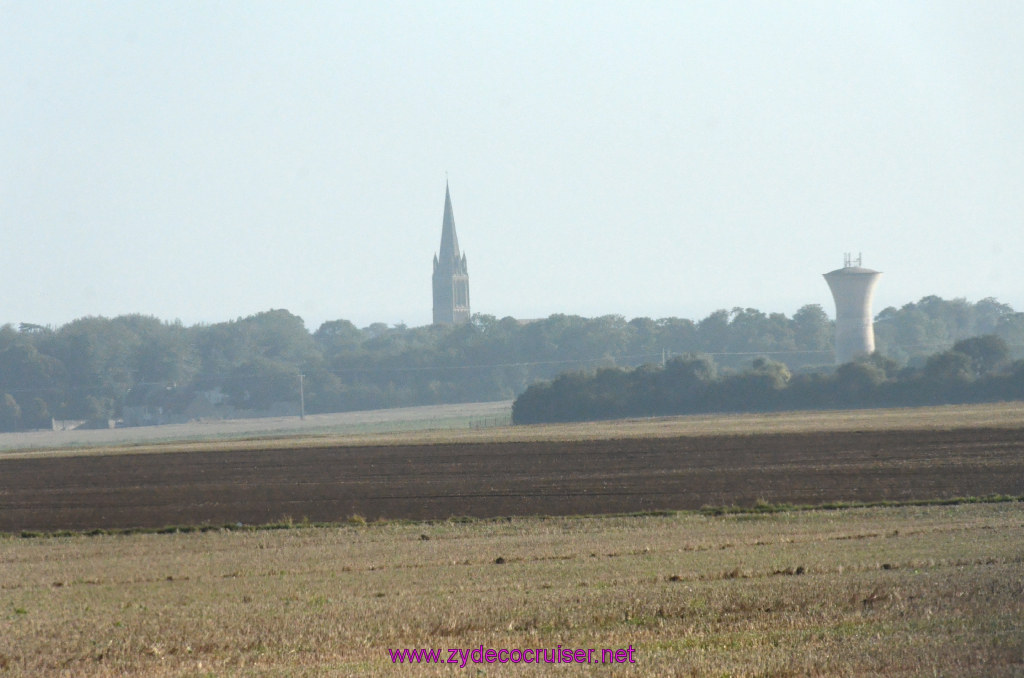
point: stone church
(451, 277)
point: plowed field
(498, 479)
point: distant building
(853, 288)
(451, 277)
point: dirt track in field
(498, 479)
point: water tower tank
(852, 288)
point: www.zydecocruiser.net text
(463, 656)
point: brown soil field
(485, 479)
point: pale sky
(208, 160)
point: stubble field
(903, 591)
(900, 590)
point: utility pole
(302, 397)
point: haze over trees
(149, 371)
(973, 370)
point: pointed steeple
(451, 275)
(449, 252)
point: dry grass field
(905, 591)
(222, 431)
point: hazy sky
(209, 160)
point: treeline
(143, 370)
(974, 370)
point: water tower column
(853, 288)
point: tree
(23, 368)
(754, 390)
(36, 414)
(889, 367)
(812, 329)
(857, 383)
(97, 355)
(279, 335)
(260, 382)
(645, 337)
(988, 315)
(915, 331)
(338, 336)
(678, 335)
(95, 408)
(681, 386)
(777, 373)
(10, 413)
(949, 367)
(987, 353)
(713, 332)
(689, 384)
(164, 354)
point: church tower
(451, 277)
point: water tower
(852, 287)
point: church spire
(449, 251)
(451, 276)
